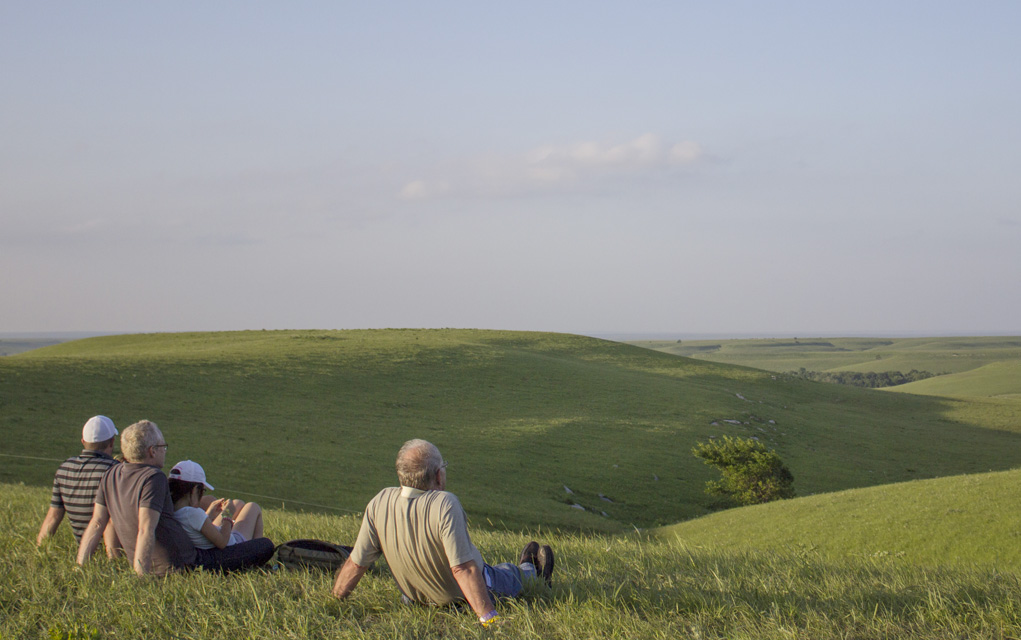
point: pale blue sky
(788, 168)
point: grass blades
(623, 587)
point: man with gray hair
(76, 480)
(422, 531)
(135, 497)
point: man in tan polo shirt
(422, 531)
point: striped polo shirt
(74, 487)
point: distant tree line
(868, 380)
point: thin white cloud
(424, 189)
(551, 167)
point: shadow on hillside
(535, 426)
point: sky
(781, 168)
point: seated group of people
(159, 523)
(167, 524)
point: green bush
(752, 474)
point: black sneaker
(530, 554)
(546, 560)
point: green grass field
(312, 419)
(993, 380)
(621, 586)
(936, 355)
(961, 521)
(308, 422)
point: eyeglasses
(444, 465)
(165, 446)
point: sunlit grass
(605, 587)
(519, 415)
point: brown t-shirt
(126, 488)
(422, 534)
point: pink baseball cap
(189, 472)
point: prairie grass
(625, 587)
(997, 379)
(325, 412)
(961, 521)
(312, 420)
(937, 355)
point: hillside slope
(955, 521)
(936, 355)
(625, 587)
(996, 380)
(540, 429)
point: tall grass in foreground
(605, 587)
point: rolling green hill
(313, 419)
(937, 355)
(995, 380)
(958, 521)
(626, 587)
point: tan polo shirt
(422, 534)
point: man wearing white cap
(74, 486)
(135, 498)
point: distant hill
(937, 355)
(12, 346)
(540, 429)
(955, 521)
(995, 380)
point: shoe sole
(547, 560)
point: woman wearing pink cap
(215, 526)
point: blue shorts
(505, 579)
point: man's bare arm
(146, 541)
(50, 524)
(113, 544)
(473, 585)
(347, 579)
(93, 533)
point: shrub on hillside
(752, 474)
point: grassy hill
(624, 587)
(313, 419)
(936, 355)
(961, 521)
(995, 380)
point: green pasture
(960, 521)
(908, 527)
(311, 420)
(994, 380)
(936, 355)
(624, 586)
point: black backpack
(312, 554)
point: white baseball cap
(189, 472)
(98, 429)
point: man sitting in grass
(76, 480)
(135, 497)
(422, 531)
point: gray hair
(137, 439)
(418, 461)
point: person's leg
(253, 553)
(248, 521)
(503, 580)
